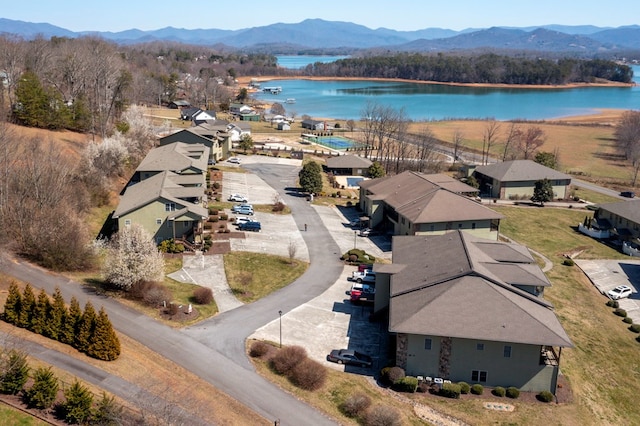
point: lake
(296, 62)
(347, 99)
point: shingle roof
(177, 156)
(520, 170)
(451, 287)
(348, 162)
(629, 210)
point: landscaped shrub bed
(545, 396)
(450, 390)
(477, 389)
(355, 405)
(465, 388)
(499, 391)
(513, 392)
(406, 384)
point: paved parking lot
(607, 274)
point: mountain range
(321, 34)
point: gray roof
(348, 162)
(177, 157)
(159, 186)
(451, 286)
(629, 210)
(519, 171)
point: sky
(403, 15)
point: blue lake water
(347, 99)
(300, 61)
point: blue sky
(118, 15)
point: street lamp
(355, 239)
(280, 313)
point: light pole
(280, 313)
(355, 239)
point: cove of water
(347, 99)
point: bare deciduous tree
(627, 135)
(511, 141)
(530, 140)
(489, 137)
(457, 141)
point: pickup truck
(366, 276)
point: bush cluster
(170, 246)
(613, 304)
(86, 331)
(203, 295)
(355, 405)
(358, 256)
(382, 415)
(278, 207)
(545, 396)
(303, 372)
(450, 390)
(620, 312)
(499, 391)
(477, 389)
(465, 388)
(513, 392)
(391, 375)
(406, 384)
(635, 328)
(628, 320)
(259, 349)
(568, 262)
(151, 293)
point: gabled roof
(159, 186)
(450, 286)
(177, 157)
(348, 162)
(629, 210)
(519, 171)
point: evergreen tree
(12, 306)
(547, 159)
(43, 392)
(14, 373)
(32, 101)
(70, 323)
(542, 192)
(310, 177)
(41, 313)
(107, 412)
(85, 327)
(27, 307)
(104, 343)
(57, 316)
(77, 405)
(376, 170)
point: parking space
(249, 185)
(329, 322)
(608, 274)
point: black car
(349, 357)
(628, 194)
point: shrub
(620, 312)
(287, 358)
(477, 389)
(172, 309)
(355, 405)
(203, 296)
(216, 185)
(382, 415)
(568, 262)
(77, 407)
(224, 216)
(613, 304)
(44, 389)
(545, 396)
(259, 349)
(309, 375)
(638, 339)
(213, 212)
(635, 328)
(499, 391)
(278, 207)
(392, 375)
(151, 293)
(513, 392)
(14, 373)
(628, 320)
(464, 387)
(450, 390)
(423, 387)
(406, 384)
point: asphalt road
(214, 349)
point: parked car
(366, 276)
(361, 297)
(240, 208)
(242, 219)
(238, 198)
(628, 194)
(244, 211)
(211, 162)
(234, 160)
(620, 292)
(253, 226)
(349, 357)
(366, 232)
(365, 267)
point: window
(432, 227)
(507, 352)
(158, 221)
(127, 222)
(186, 224)
(473, 225)
(459, 226)
(170, 207)
(480, 346)
(427, 344)
(478, 376)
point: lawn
(10, 416)
(252, 276)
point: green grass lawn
(592, 196)
(11, 417)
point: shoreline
(247, 80)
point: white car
(242, 219)
(620, 292)
(234, 160)
(238, 197)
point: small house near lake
(348, 165)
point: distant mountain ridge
(318, 33)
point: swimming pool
(335, 142)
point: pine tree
(70, 323)
(12, 306)
(57, 316)
(310, 177)
(105, 344)
(41, 313)
(32, 101)
(85, 327)
(15, 372)
(77, 405)
(27, 307)
(542, 191)
(107, 412)
(43, 392)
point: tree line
(87, 331)
(486, 68)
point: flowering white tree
(107, 158)
(132, 257)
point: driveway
(608, 274)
